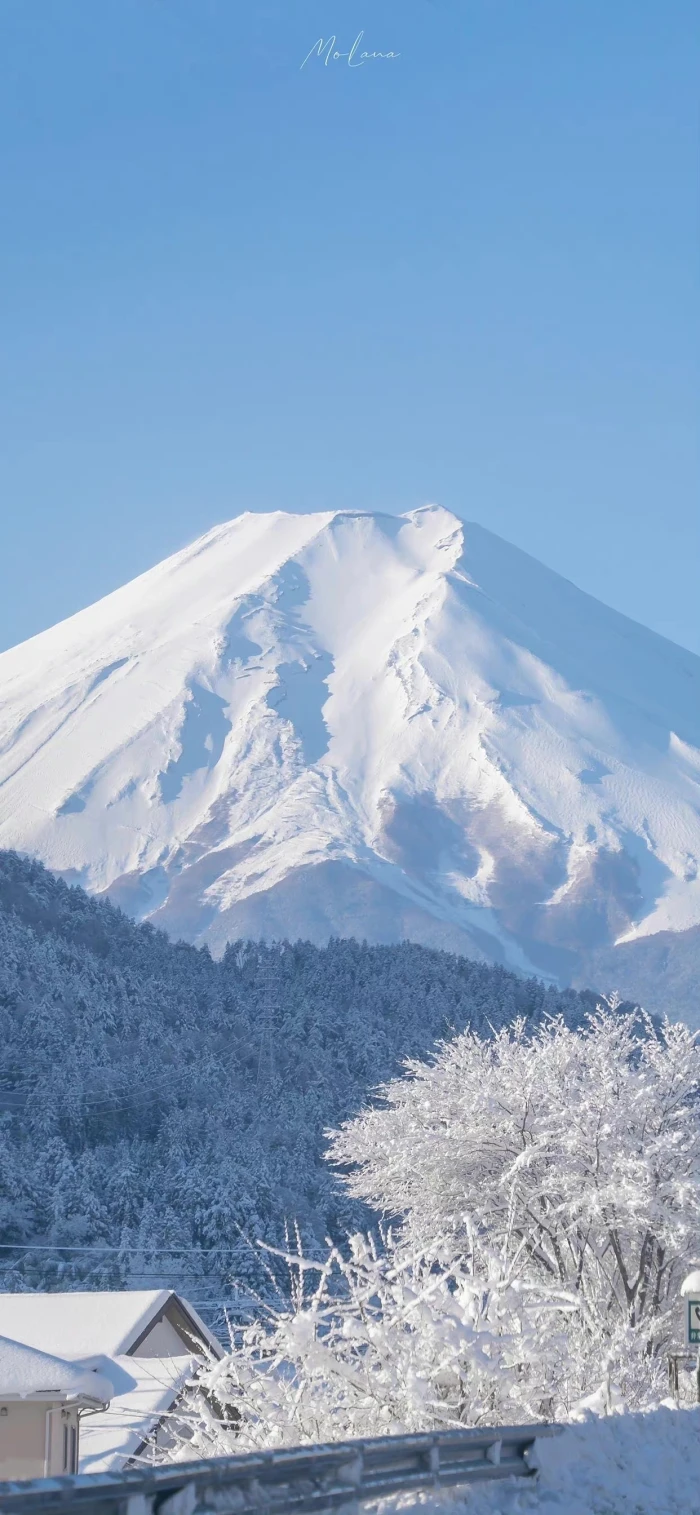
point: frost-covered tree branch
(582, 1145)
(383, 1341)
(548, 1193)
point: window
(70, 1448)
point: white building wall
(37, 1440)
(163, 1341)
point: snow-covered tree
(377, 1340)
(578, 1151)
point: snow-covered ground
(614, 1465)
(364, 725)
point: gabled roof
(26, 1373)
(100, 1324)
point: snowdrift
(615, 1465)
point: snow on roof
(151, 1386)
(691, 1284)
(82, 1325)
(26, 1373)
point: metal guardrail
(303, 1479)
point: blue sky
(469, 274)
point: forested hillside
(158, 1107)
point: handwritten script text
(354, 58)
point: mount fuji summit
(352, 724)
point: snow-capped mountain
(369, 725)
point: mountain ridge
(368, 725)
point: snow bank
(618, 1465)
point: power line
(30, 1246)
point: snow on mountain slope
(367, 725)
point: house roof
(148, 1387)
(26, 1373)
(100, 1324)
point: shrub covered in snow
(576, 1153)
(384, 1341)
(549, 1193)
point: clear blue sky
(468, 275)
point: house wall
(163, 1341)
(37, 1439)
(63, 1451)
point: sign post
(690, 1296)
(692, 1320)
(690, 1291)
(692, 1327)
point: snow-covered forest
(159, 1107)
(496, 1230)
